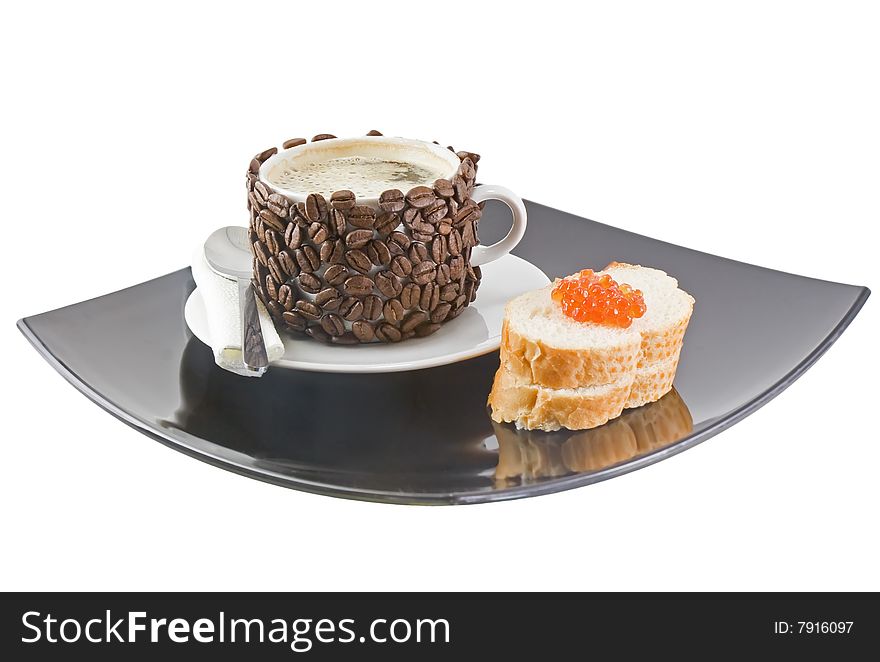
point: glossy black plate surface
(390, 437)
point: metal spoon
(228, 253)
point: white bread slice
(542, 345)
(668, 310)
(535, 407)
(652, 382)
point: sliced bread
(542, 345)
(534, 407)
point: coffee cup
(369, 239)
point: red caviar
(589, 297)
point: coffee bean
(426, 329)
(391, 200)
(261, 229)
(388, 333)
(332, 251)
(253, 203)
(308, 309)
(261, 253)
(413, 320)
(444, 227)
(418, 252)
(357, 285)
(293, 236)
(362, 216)
(430, 297)
(418, 226)
(309, 283)
(454, 243)
(351, 308)
(333, 324)
(278, 205)
(294, 320)
(387, 222)
(260, 271)
(460, 301)
(420, 196)
(271, 287)
(300, 208)
(273, 241)
(440, 312)
(401, 266)
(322, 136)
(285, 297)
(388, 284)
(466, 169)
(266, 153)
(434, 211)
(293, 142)
(478, 272)
(438, 249)
(358, 238)
(410, 214)
(316, 207)
(254, 166)
(317, 333)
(468, 155)
(444, 188)
(423, 272)
(393, 311)
(272, 221)
(465, 213)
(262, 193)
(470, 290)
(456, 267)
(460, 189)
(358, 260)
(343, 199)
(443, 276)
(307, 258)
(378, 253)
(449, 292)
(336, 274)
(276, 271)
(468, 235)
(347, 338)
(318, 233)
(288, 264)
(423, 237)
(363, 331)
(328, 298)
(398, 242)
(336, 222)
(372, 307)
(409, 297)
(374, 133)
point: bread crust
(537, 408)
(535, 361)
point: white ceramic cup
(401, 149)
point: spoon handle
(253, 347)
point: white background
(751, 131)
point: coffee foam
(366, 176)
(366, 167)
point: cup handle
(483, 254)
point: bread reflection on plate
(525, 456)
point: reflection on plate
(475, 332)
(525, 456)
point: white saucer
(475, 332)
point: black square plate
(389, 437)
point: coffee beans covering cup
(369, 239)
